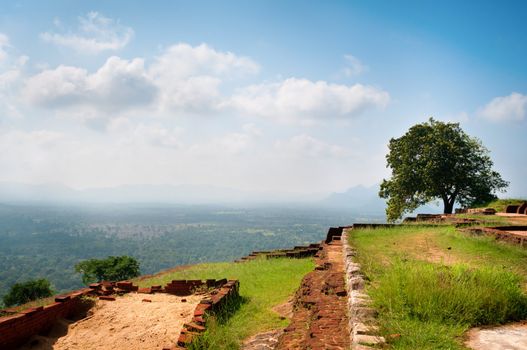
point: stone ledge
(362, 317)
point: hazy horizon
(286, 99)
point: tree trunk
(448, 205)
(448, 208)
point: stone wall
(362, 317)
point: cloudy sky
(296, 96)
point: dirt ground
(514, 219)
(425, 248)
(126, 323)
(508, 337)
(518, 233)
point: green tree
(21, 293)
(113, 268)
(436, 160)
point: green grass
(430, 294)
(487, 220)
(34, 303)
(501, 204)
(263, 285)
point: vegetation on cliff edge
(430, 284)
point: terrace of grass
(264, 284)
(431, 284)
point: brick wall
(502, 233)
(225, 292)
(297, 252)
(17, 328)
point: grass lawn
(430, 284)
(263, 285)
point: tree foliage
(113, 268)
(21, 293)
(436, 160)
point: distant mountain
(173, 194)
(16, 192)
(366, 200)
(359, 199)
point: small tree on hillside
(21, 293)
(113, 268)
(436, 160)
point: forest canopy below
(47, 241)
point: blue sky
(274, 96)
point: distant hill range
(366, 200)
(360, 199)
(173, 194)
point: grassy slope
(263, 285)
(431, 294)
(501, 204)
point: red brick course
(16, 329)
(320, 318)
(19, 327)
(219, 297)
(502, 233)
(297, 252)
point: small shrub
(113, 268)
(21, 293)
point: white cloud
(183, 60)
(4, 43)
(11, 73)
(189, 77)
(506, 108)
(230, 144)
(25, 154)
(252, 129)
(118, 85)
(354, 66)
(95, 33)
(302, 100)
(305, 145)
(157, 135)
(184, 78)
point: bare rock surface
(263, 341)
(508, 337)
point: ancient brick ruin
(298, 252)
(320, 319)
(17, 327)
(510, 234)
(517, 208)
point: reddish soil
(518, 233)
(320, 319)
(133, 322)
